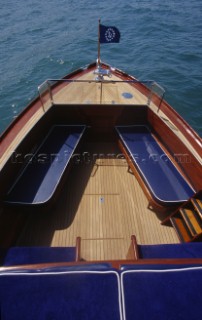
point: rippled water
(48, 39)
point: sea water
(160, 40)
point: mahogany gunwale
(183, 126)
(117, 264)
(191, 169)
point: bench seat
(41, 176)
(60, 295)
(164, 181)
(171, 251)
(162, 294)
(33, 255)
(97, 291)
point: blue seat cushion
(160, 175)
(162, 294)
(77, 295)
(40, 178)
(31, 255)
(171, 251)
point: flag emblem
(109, 34)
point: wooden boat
(100, 203)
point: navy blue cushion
(38, 182)
(30, 255)
(171, 251)
(70, 295)
(163, 179)
(162, 294)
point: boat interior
(101, 208)
(98, 197)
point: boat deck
(102, 203)
(111, 92)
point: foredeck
(88, 91)
(102, 203)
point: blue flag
(109, 34)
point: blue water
(160, 41)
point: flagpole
(98, 59)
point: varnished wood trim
(78, 249)
(133, 252)
(114, 263)
(190, 166)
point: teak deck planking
(102, 203)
